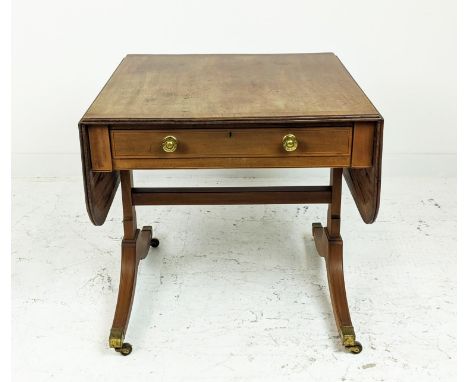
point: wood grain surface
(205, 143)
(230, 87)
(99, 142)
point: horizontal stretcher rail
(231, 195)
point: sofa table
(231, 111)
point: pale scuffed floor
(235, 293)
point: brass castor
(154, 242)
(354, 349)
(349, 340)
(125, 350)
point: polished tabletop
(207, 87)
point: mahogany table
(231, 111)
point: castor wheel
(154, 242)
(125, 350)
(355, 349)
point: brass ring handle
(290, 142)
(169, 144)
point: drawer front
(232, 143)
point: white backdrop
(402, 53)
